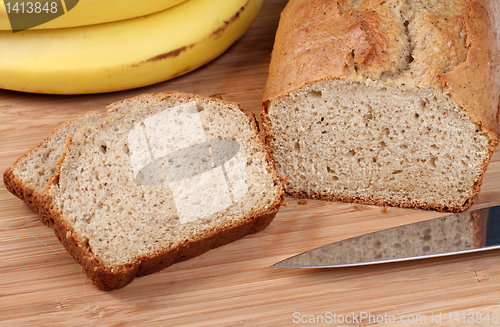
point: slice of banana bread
(167, 179)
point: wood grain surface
(40, 284)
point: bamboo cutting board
(40, 284)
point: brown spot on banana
(214, 34)
(170, 54)
(231, 20)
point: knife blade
(465, 232)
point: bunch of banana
(123, 54)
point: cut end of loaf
(369, 143)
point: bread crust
(15, 186)
(108, 279)
(359, 41)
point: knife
(466, 232)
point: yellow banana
(91, 12)
(124, 54)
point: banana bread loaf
(385, 102)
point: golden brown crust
(108, 279)
(316, 40)
(474, 84)
(15, 186)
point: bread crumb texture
(121, 180)
(385, 102)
